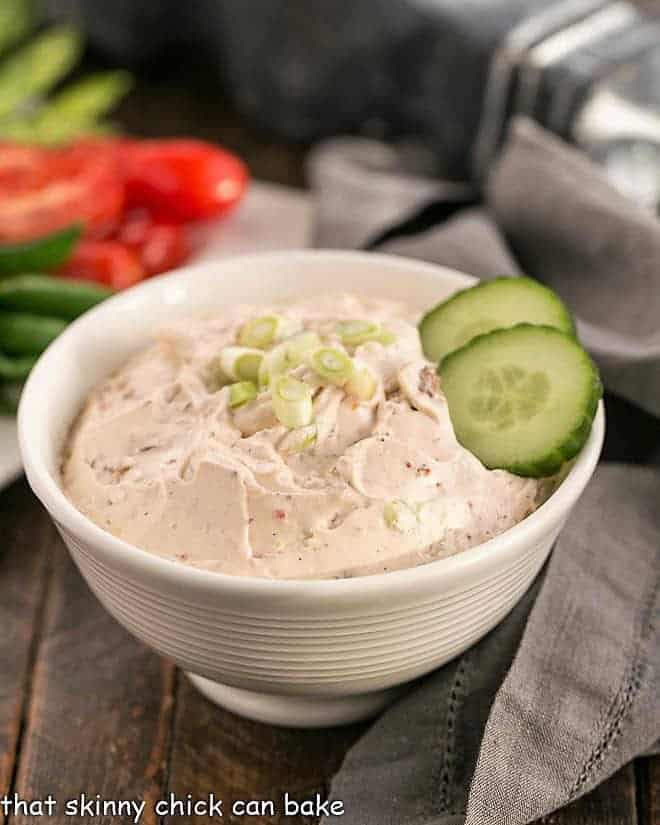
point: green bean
(16, 369)
(25, 334)
(10, 395)
(50, 296)
(47, 252)
(38, 66)
(16, 18)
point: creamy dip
(159, 458)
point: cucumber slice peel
(503, 302)
(522, 399)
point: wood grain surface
(86, 708)
(212, 751)
(99, 715)
(24, 558)
(651, 793)
(612, 803)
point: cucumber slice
(504, 302)
(522, 399)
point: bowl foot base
(295, 711)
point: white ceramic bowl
(290, 652)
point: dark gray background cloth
(546, 719)
(310, 69)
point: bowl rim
(50, 493)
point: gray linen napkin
(513, 730)
(563, 222)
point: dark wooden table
(86, 708)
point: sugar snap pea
(39, 254)
(16, 17)
(16, 369)
(26, 334)
(32, 129)
(36, 67)
(79, 105)
(91, 96)
(73, 111)
(50, 296)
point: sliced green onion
(275, 363)
(241, 392)
(400, 516)
(287, 355)
(357, 332)
(300, 439)
(292, 401)
(386, 337)
(260, 332)
(241, 363)
(354, 333)
(362, 384)
(300, 346)
(268, 330)
(332, 365)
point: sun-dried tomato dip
(310, 440)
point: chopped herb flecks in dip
(310, 440)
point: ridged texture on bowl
(301, 639)
(303, 652)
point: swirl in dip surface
(159, 458)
